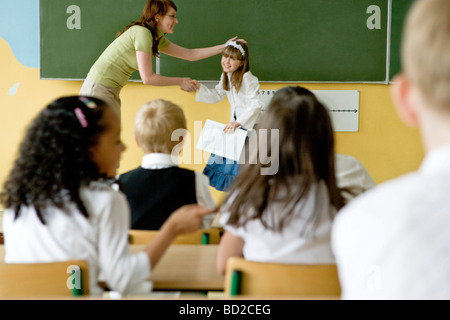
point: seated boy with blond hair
(159, 186)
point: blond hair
(154, 124)
(426, 50)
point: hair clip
(236, 45)
(88, 102)
(81, 118)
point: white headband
(237, 46)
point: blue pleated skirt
(221, 171)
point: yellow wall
(385, 146)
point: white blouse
(102, 240)
(245, 105)
(289, 245)
(392, 242)
(350, 172)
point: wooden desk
(182, 267)
(186, 267)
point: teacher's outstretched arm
(195, 54)
(149, 77)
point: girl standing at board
(242, 89)
(133, 50)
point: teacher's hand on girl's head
(188, 85)
(236, 39)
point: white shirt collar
(437, 160)
(158, 161)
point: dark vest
(153, 194)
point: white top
(204, 197)
(392, 242)
(102, 240)
(289, 246)
(351, 173)
(245, 104)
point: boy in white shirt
(159, 185)
(392, 242)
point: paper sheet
(214, 140)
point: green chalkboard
(399, 10)
(289, 40)
(68, 50)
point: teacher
(133, 50)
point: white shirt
(392, 242)
(245, 104)
(203, 194)
(102, 240)
(351, 173)
(289, 246)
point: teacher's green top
(116, 64)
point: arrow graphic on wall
(343, 110)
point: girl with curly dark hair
(60, 206)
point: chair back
(251, 278)
(38, 280)
(201, 236)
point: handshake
(189, 85)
